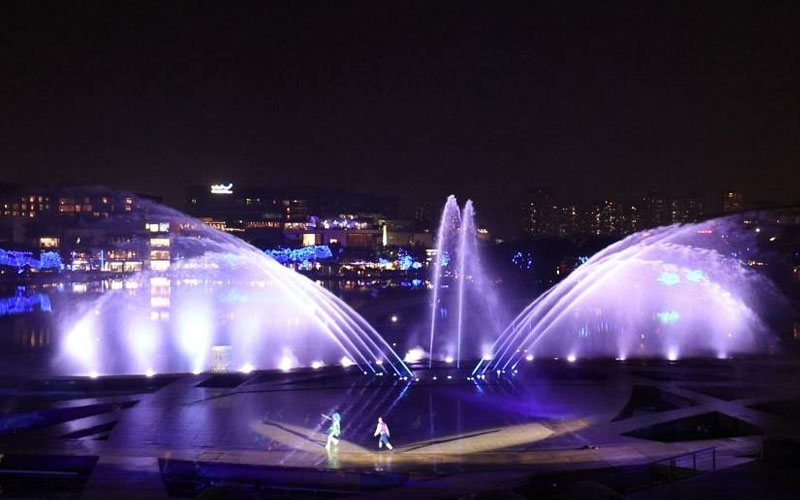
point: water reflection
(39, 318)
(20, 303)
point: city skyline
(554, 246)
(599, 101)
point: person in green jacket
(335, 430)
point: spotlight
(571, 358)
(149, 373)
(94, 375)
(529, 357)
(448, 359)
(246, 368)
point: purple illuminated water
(221, 304)
(465, 312)
(671, 292)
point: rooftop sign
(222, 188)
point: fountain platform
(550, 416)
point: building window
(48, 242)
(159, 265)
(159, 242)
(309, 239)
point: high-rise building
(544, 217)
(732, 202)
(540, 214)
(571, 221)
(630, 217)
(605, 219)
(693, 208)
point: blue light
(668, 317)
(582, 259)
(668, 278)
(304, 255)
(696, 276)
(16, 259)
(21, 260)
(523, 260)
(21, 304)
(50, 260)
(406, 261)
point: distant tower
(605, 218)
(539, 213)
(693, 207)
(732, 202)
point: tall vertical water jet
(460, 285)
(449, 223)
(466, 245)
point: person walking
(335, 430)
(383, 431)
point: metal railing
(675, 462)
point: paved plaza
(551, 416)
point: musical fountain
(217, 303)
(465, 313)
(671, 292)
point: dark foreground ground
(694, 429)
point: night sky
(413, 99)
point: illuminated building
(68, 222)
(540, 213)
(693, 208)
(159, 245)
(402, 232)
(605, 219)
(544, 217)
(344, 231)
(296, 216)
(732, 202)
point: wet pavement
(548, 416)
